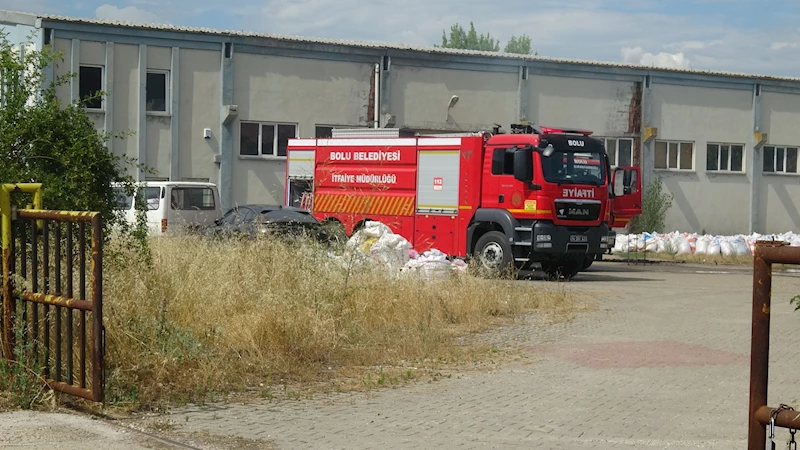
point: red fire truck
(534, 195)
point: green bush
(655, 204)
(43, 140)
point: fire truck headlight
(543, 238)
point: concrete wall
(779, 194)
(305, 92)
(712, 201)
(64, 48)
(123, 100)
(420, 96)
(200, 87)
(599, 105)
(125, 92)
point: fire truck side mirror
(546, 147)
(523, 165)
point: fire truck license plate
(578, 238)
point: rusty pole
(766, 253)
(98, 393)
(759, 347)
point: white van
(171, 205)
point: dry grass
(220, 316)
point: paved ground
(662, 363)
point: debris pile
(678, 243)
(376, 242)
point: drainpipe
(376, 111)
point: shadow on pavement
(595, 274)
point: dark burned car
(256, 220)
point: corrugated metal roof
(393, 46)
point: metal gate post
(759, 346)
(765, 255)
(8, 290)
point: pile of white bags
(376, 242)
(691, 243)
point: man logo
(574, 143)
(578, 211)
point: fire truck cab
(536, 195)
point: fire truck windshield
(574, 168)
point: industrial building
(219, 106)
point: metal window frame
(616, 147)
(678, 144)
(785, 148)
(261, 124)
(730, 156)
(102, 68)
(167, 93)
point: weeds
(21, 377)
(655, 204)
(204, 317)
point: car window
(237, 216)
(150, 197)
(246, 215)
(121, 199)
(192, 198)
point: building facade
(220, 106)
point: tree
(45, 141)
(483, 42)
(469, 40)
(520, 45)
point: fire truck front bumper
(550, 238)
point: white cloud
(665, 60)
(782, 45)
(128, 14)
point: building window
(326, 131)
(157, 91)
(780, 159)
(323, 132)
(265, 139)
(674, 155)
(724, 157)
(90, 84)
(620, 151)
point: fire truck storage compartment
(438, 188)
(438, 184)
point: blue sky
(758, 37)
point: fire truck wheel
(494, 252)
